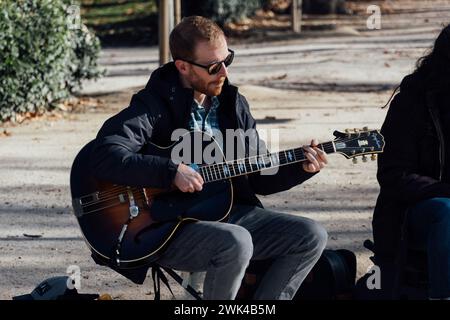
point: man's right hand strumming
(187, 179)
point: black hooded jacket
(414, 165)
(154, 112)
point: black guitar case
(332, 278)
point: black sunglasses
(215, 67)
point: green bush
(221, 11)
(43, 58)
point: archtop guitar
(128, 226)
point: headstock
(359, 142)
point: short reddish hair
(189, 32)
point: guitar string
(265, 163)
(110, 206)
(286, 163)
(257, 167)
(110, 196)
(137, 192)
(249, 162)
(218, 170)
(137, 197)
(325, 145)
(114, 189)
(217, 173)
(123, 189)
(327, 148)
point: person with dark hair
(193, 93)
(414, 169)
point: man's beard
(214, 88)
(211, 89)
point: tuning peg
(355, 161)
(356, 130)
(348, 133)
(364, 158)
(373, 157)
(339, 134)
(366, 129)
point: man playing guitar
(193, 93)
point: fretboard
(231, 169)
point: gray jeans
(224, 251)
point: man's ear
(182, 66)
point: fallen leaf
(32, 235)
(5, 133)
(281, 77)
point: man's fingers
(197, 185)
(313, 160)
(308, 149)
(322, 155)
(199, 178)
(316, 156)
(187, 179)
(197, 181)
(317, 153)
(185, 189)
(312, 167)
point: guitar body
(103, 208)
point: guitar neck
(231, 169)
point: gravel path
(306, 87)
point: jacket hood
(165, 81)
(165, 86)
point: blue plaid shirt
(205, 121)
